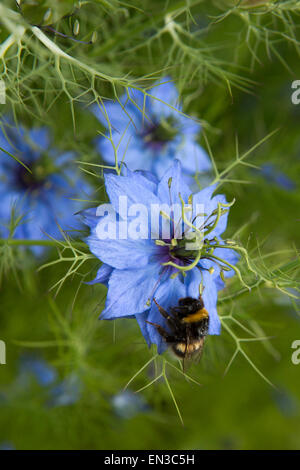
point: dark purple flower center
(37, 178)
(158, 133)
(177, 254)
(26, 180)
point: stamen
(219, 213)
(165, 215)
(232, 267)
(161, 243)
(184, 268)
(148, 303)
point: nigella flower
(286, 402)
(273, 175)
(58, 392)
(127, 404)
(164, 261)
(67, 392)
(43, 372)
(7, 445)
(153, 133)
(43, 196)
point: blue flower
(152, 263)
(67, 392)
(44, 196)
(43, 372)
(272, 175)
(153, 133)
(7, 445)
(286, 403)
(127, 404)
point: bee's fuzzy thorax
(196, 317)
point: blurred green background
(62, 385)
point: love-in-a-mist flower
(127, 404)
(157, 241)
(43, 195)
(273, 175)
(152, 132)
(38, 368)
(66, 392)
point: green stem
(119, 38)
(282, 270)
(18, 242)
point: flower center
(185, 253)
(184, 249)
(38, 178)
(157, 134)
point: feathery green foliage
(233, 63)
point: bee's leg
(164, 313)
(167, 337)
(178, 310)
(201, 300)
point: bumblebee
(188, 324)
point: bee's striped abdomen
(184, 350)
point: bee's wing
(186, 360)
(198, 354)
(193, 358)
(184, 357)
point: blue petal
(89, 217)
(209, 295)
(165, 93)
(285, 182)
(188, 125)
(102, 275)
(64, 158)
(113, 114)
(163, 161)
(67, 392)
(12, 138)
(40, 137)
(204, 197)
(129, 290)
(137, 193)
(122, 254)
(145, 178)
(228, 255)
(193, 281)
(7, 445)
(148, 175)
(193, 158)
(178, 186)
(222, 224)
(142, 318)
(9, 199)
(130, 147)
(43, 372)
(140, 107)
(5, 144)
(219, 283)
(123, 113)
(127, 404)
